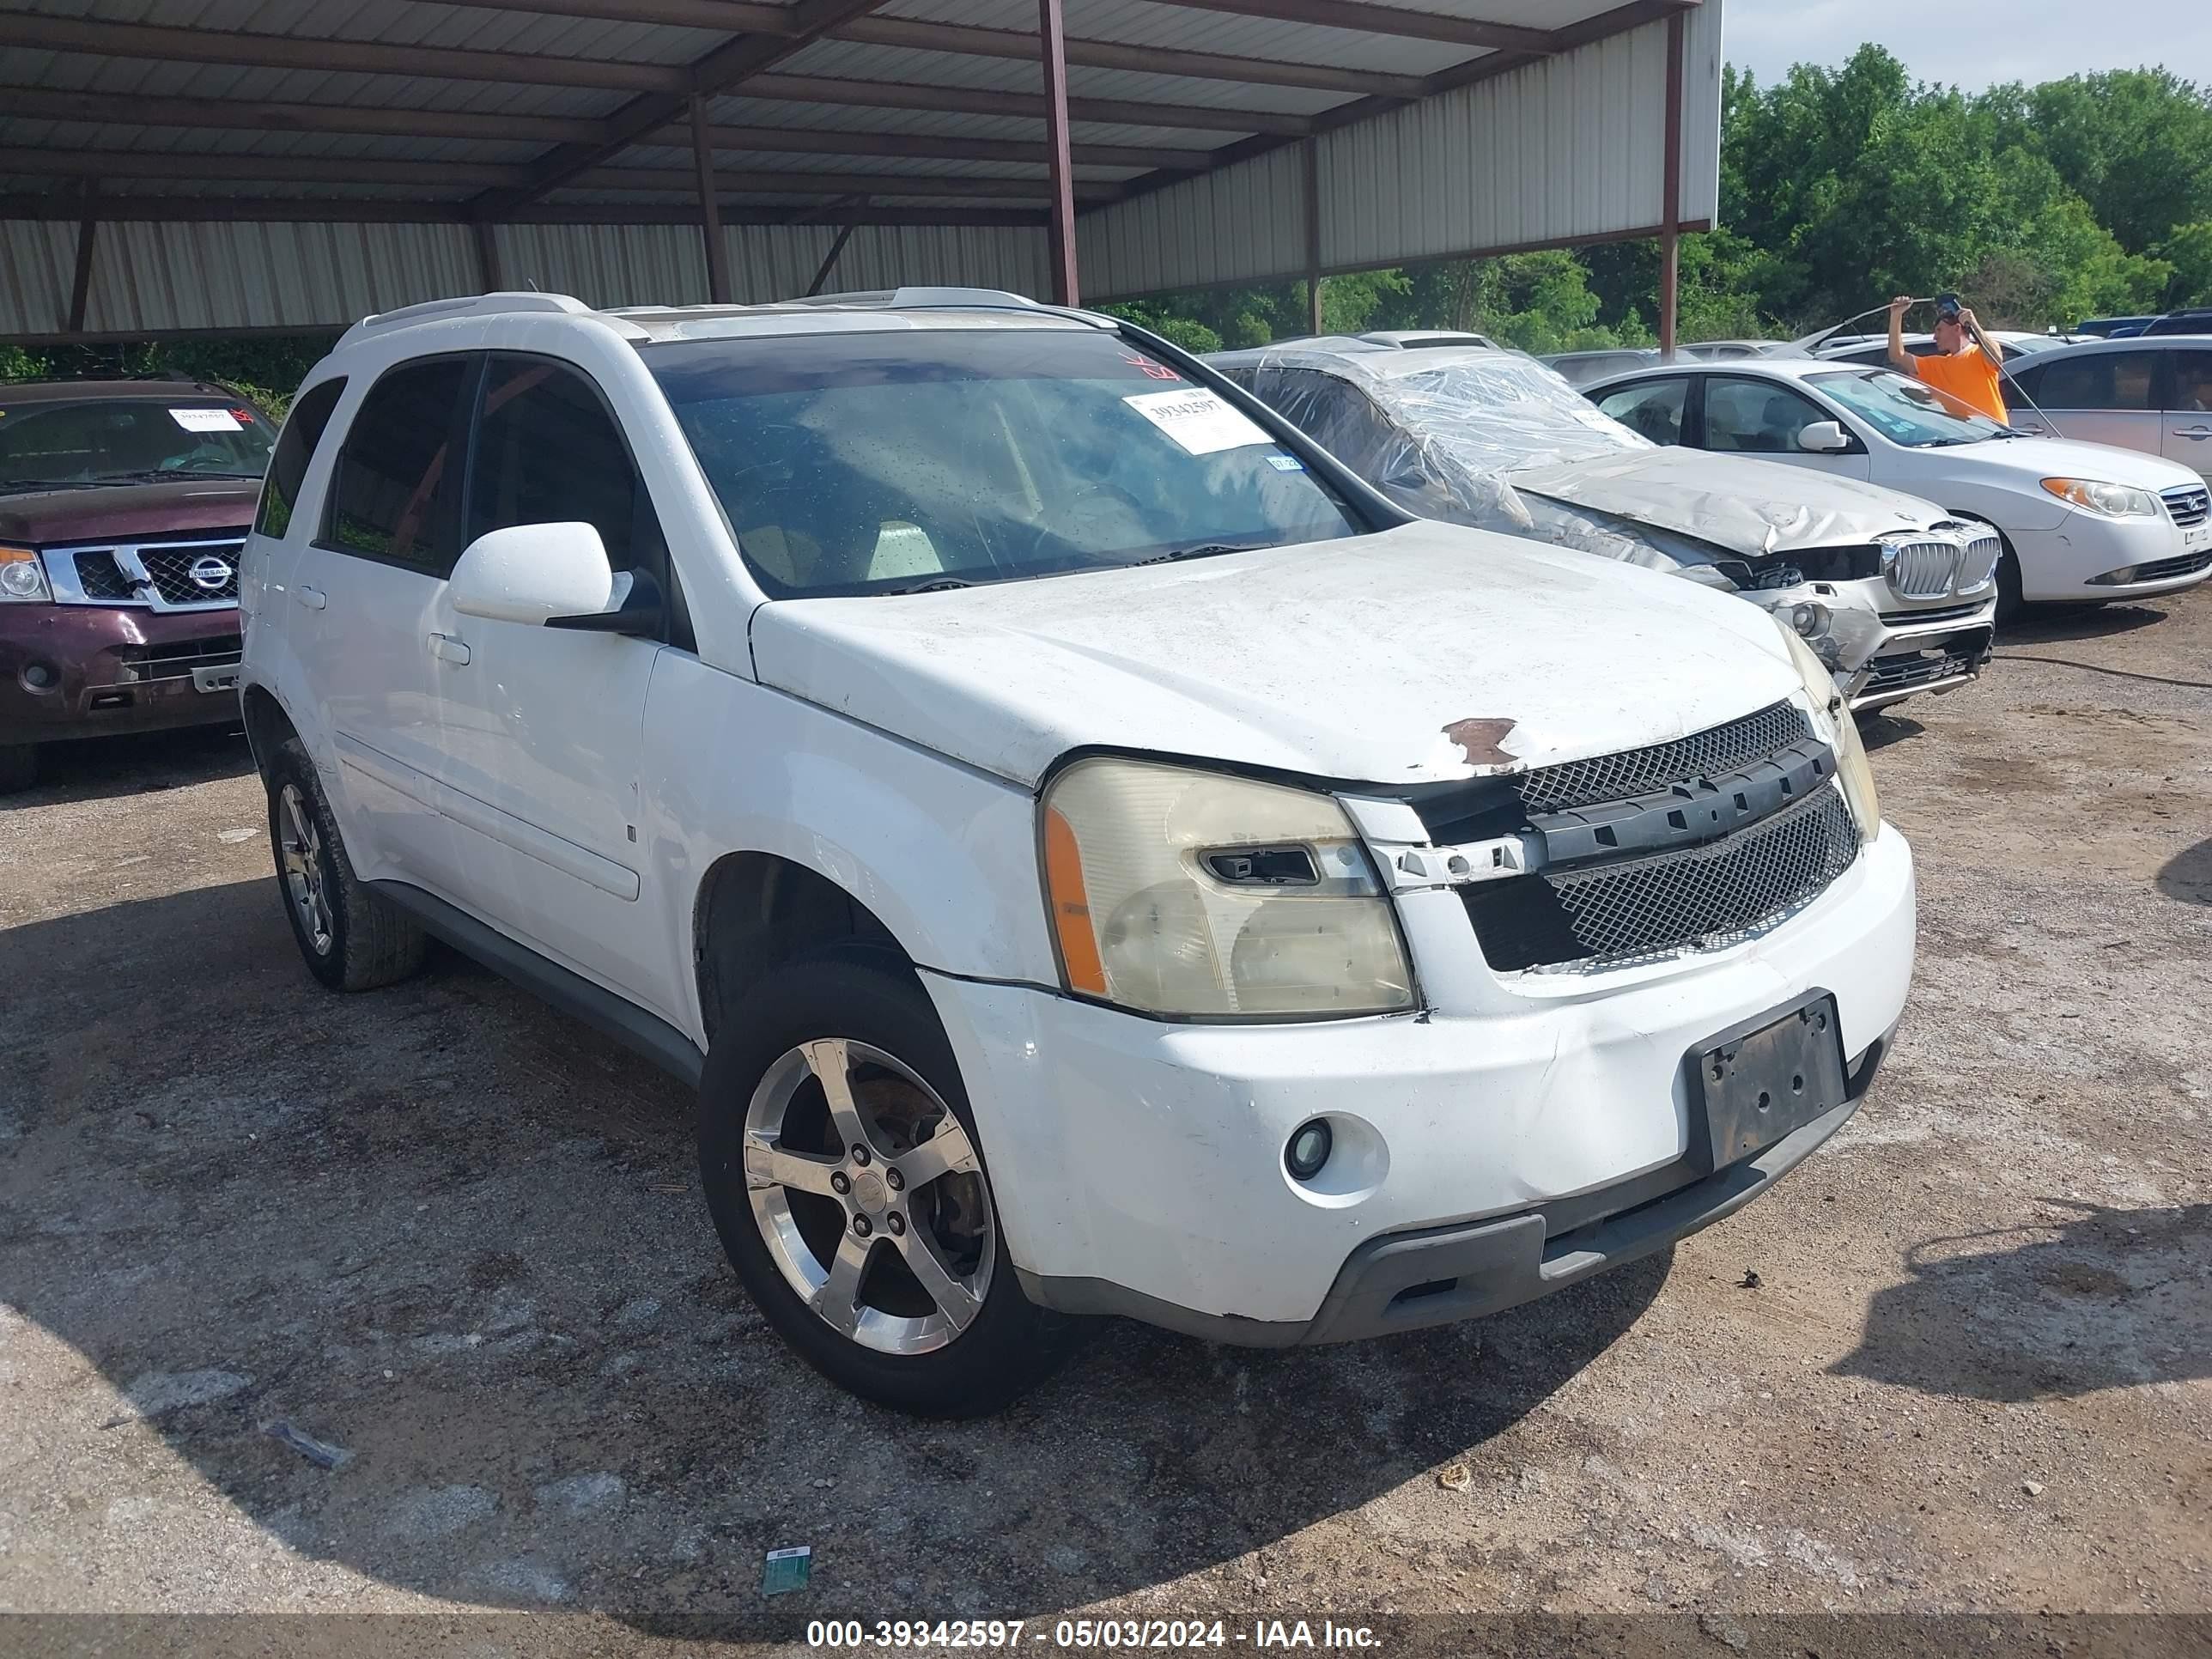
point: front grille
(1908, 671)
(97, 575)
(202, 574)
(2190, 504)
(1638, 771)
(1922, 570)
(2162, 569)
(1979, 563)
(184, 572)
(1705, 898)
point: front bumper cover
(1409, 1281)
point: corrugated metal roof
(1566, 148)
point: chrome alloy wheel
(300, 854)
(870, 1196)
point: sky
(1974, 43)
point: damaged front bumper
(1880, 649)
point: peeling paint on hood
(1749, 507)
(1351, 659)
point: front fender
(943, 855)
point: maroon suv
(123, 506)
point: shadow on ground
(2095, 1298)
(2188, 875)
(445, 1230)
(2060, 624)
(96, 767)
(1877, 731)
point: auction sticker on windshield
(1197, 420)
(205, 419)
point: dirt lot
(442, 1229)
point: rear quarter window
(296, 449)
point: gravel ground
(457, 1239)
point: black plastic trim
(613, 1016)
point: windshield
(888, 462)
(128, 440)
(1911, 413)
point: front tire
(847, 1181)
(351, 938)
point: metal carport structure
(170, 167)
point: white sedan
(2082, 523)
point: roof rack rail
(923, 299)
(468, 305)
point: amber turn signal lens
(1071, 908)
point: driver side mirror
(552, 575)
(1825, 438)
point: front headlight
(22, 575)
(1832, 720)
(2110, 500)
(1195, 894)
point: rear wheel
(352, 938)
(19, 766)
(845, 1177)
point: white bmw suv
(1093, 853)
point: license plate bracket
(1755, 1083)
(223, 677)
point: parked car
(2147, 392)
(1093, 853)
(1729, 352)
(123, 504)
(2082, 524)
(1893, 594)
(2112, 328)
(1872, 350)
(2196, 319)
(1581, 367)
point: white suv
(1093, 853)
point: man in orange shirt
(1966, 362)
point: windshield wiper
(167, 475)
(1208, 550)
(52, 484)
(934, 585)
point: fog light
(39, 677)
(1810, 620)
(1307, 1150)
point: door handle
(446, 648)
(2197, 432)
(313, 597)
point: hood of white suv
(1427, 652)
(1749, 507)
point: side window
(1756, 418)
(547, 451)
(2192, 382)
(303, 431)
(2100, 379)
(1653, 408)
(392, 497)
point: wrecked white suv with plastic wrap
(1092, 852)
(1895, 595)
